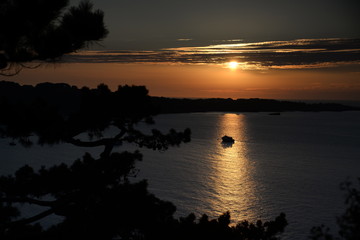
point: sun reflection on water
(233, 185)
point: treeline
(67, 98)
(173, 105)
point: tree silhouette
(220, 228)
(349, 222)
(94, 196)
(45, 30)
(98, 198)
(84, 110)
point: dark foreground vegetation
(349, 222)
(94, 195)
(44, 31)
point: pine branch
(27, 200)
(34, 218)
(109, 143)
(80, 143)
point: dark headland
(173, 105)
(67, 98)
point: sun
(232, 65)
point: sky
(154, 24)
(278, 49)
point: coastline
(67, 99)
(185, 105)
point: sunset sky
(230, 48)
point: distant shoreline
(67, 98)
(185, 105)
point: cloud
(333, 53)
(184, 39)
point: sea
(292, 163)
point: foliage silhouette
(95, 197)
(84, 110)
(219, 228)
(45, 30)
(349, 222)
(97, 201)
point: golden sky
(304, 69)
(203, 81)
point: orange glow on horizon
(202, 81)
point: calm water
(291, 163)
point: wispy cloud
(184, 39)
(331, 53)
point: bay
(291, 163)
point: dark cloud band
(295, 54)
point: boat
(227, 139)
